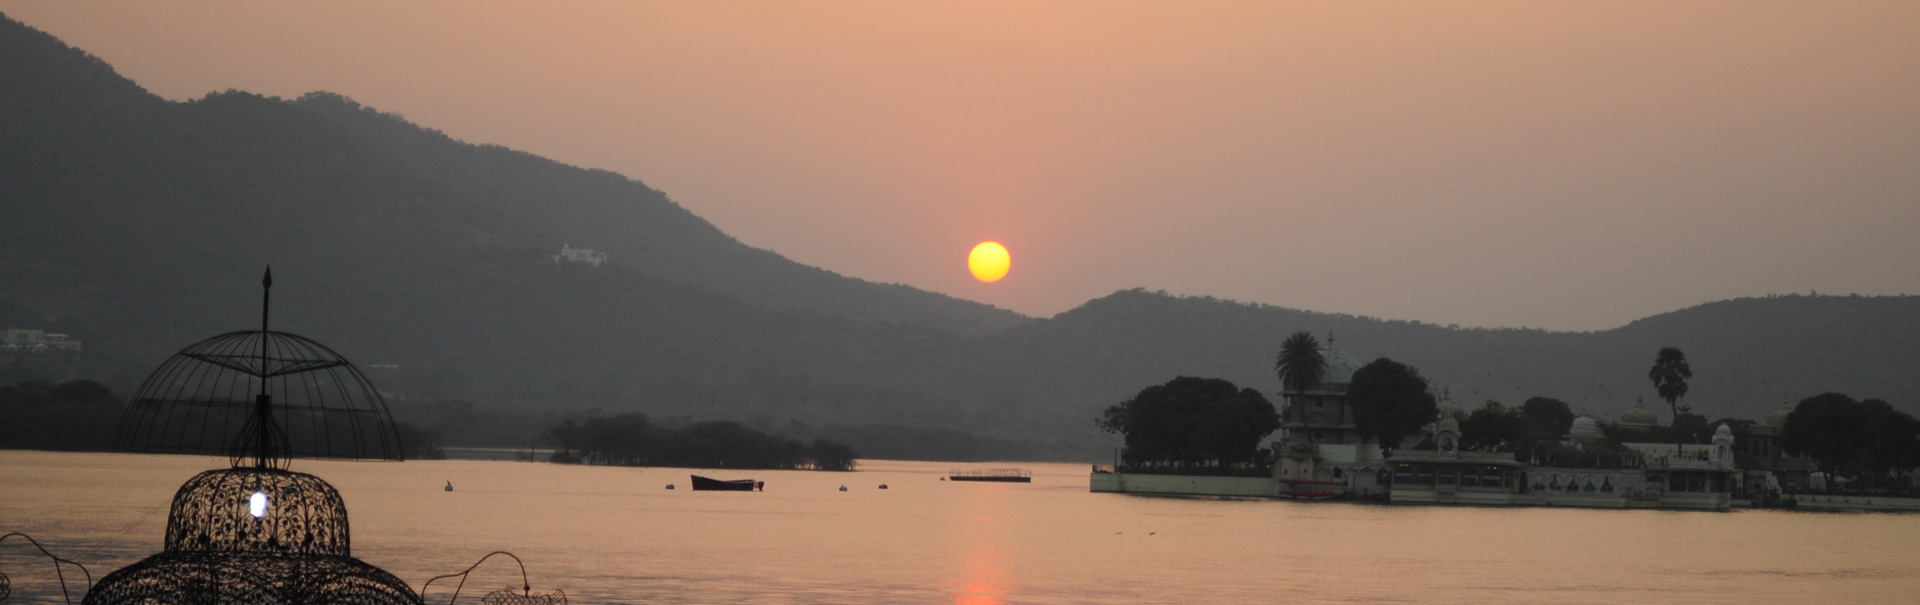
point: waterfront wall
(1184, 485)
(1826, 502)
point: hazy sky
(1544, 164)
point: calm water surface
(616, 535)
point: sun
(989, 262)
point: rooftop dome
(1639, 415)
(1723, 430)
(1584, 427)
(1779, 416)
(1340, 367)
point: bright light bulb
(257, 505)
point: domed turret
(1449, 409)
(1583, 428)
(1639, 417)
(1446, 434)
(1340, 367)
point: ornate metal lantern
(257, 533)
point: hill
(140, 225)
(1748, 355)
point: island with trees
(1378, 431)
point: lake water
(616, 535)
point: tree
(1389, 401)
(78, 415)
(1301, 364)
(1669, 374)
(1493, 428)
(1548, 417)
(1829, 428)
(1191, 422)
(1893, 438)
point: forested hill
(640, 227)
(1748, 355)
(140, 225)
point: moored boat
(737, 485)
(1301, 489)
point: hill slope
(143, 224)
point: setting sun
(989, 262)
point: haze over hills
(141, 225)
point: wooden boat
(1003, 475)
(1301, 489)
(703, 484)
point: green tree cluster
(1389, 400)
(1493, 427)
(78, 415)
(633, 440)
(1193, 424)
(1867, 439)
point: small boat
(1301, 489)
(703, 484)
(1003, 475)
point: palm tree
(1301, 366)
(1669, 375)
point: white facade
(579, 255)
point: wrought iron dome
(204, 400)
(258, 533)
(268, 395)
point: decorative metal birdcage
(209, 397)
(257, 533)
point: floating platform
(1001, 475)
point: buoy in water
(843, 488)
(449, 486)
(883, 486)
(669, 486)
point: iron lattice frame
(218, 552)
(203, 578)
(203, 401)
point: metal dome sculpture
(256, 533)
(270, 395)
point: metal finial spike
(267, 281)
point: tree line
(1867, 439)
(82, 416)
(1199, 424)
(632, 439)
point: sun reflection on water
(982, 575)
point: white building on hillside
(579, 255)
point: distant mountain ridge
(1748, 355)
(640, 227)
(143, 224)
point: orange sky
(1545, 164)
